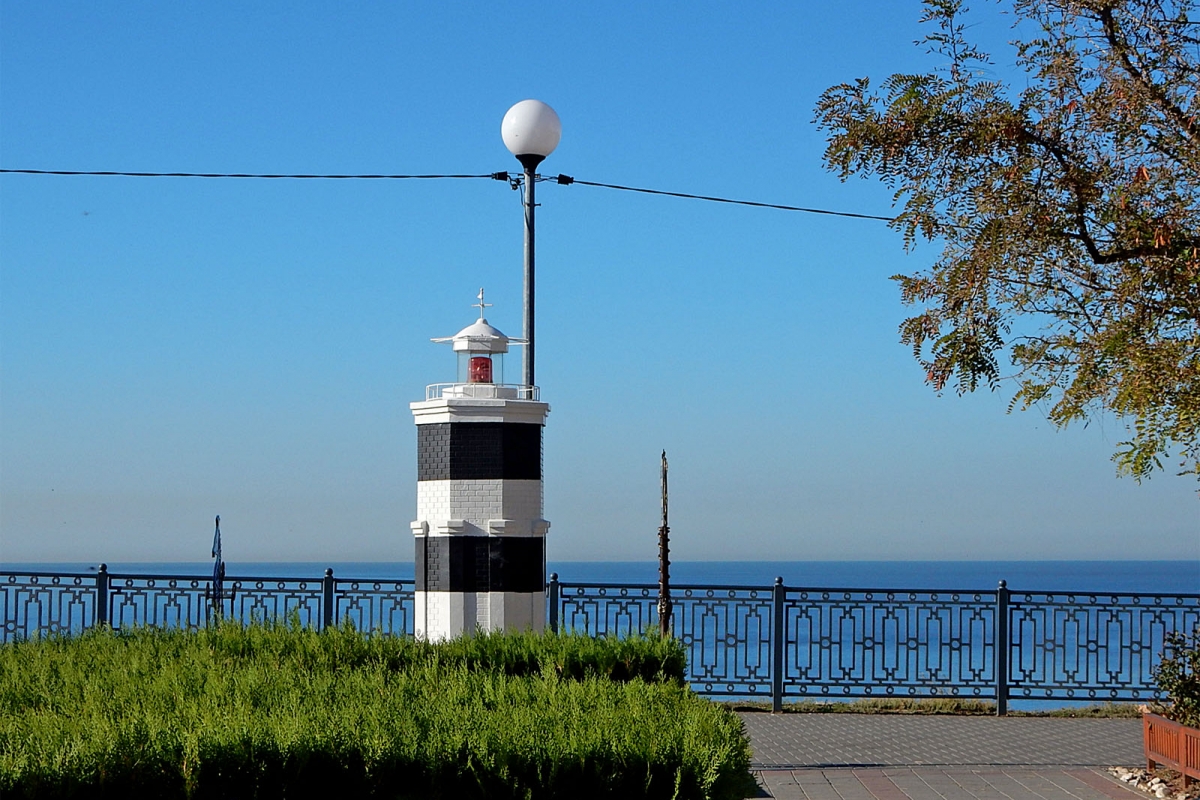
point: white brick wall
(518, 611)
(446, 615)
(522, 500)
(476, 502)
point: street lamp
(531, 131)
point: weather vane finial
(481, 305)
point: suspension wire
(107, 173)
(566, 180)
(513, 180)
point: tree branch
(1121, 48)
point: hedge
(269, 711)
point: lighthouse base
(484, 583)
(448, 615)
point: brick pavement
(894, 757)
(944, 783)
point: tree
(1068, 212)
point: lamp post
(531, 131)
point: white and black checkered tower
(480, 535)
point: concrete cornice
(462, 409)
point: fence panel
(608, 609)
(870, 643)
(38, 604)
(375, 606)
(182, 601)
(727, 632)
(169, 601)
(726, 629)
(255, 599)
(1091, 646)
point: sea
(1180, 576)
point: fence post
(553, 599)
(777, 594)
(1002, 649)
(327, 600)
(102, 595)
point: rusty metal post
(664, 561)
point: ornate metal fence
(855, 643)
(35, 604)
(776, 642)
(383, 606)
(792, 643)
(1090, 646)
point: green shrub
(1178, 678)
(574, 656)
(570, 655)
(268, 711)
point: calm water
(1173, 577)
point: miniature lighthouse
(480, 536)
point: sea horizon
(1181, 576)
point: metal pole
(554, 602)
(778, 593)
(1002, 649)
(102, 595)
(527, 315)
(327, 600)
(664, 561)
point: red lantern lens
(479, 370)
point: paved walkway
(893, 757)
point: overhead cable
(564, 180)
(567, 180)
(229, 175)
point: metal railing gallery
(775, 642)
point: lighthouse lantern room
(480, 348)
(480, 535)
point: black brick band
(480, 564)
(472, 451)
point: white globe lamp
(531, 131)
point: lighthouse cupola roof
(480, 336)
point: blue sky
(174, 349)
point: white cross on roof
(481, 305)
